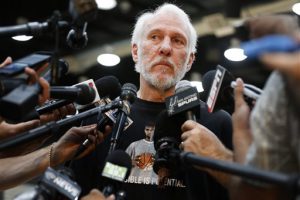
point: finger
(63, 111)
(89, 126)
(33, 77)
(185, 135)
(42, 68)
(107, 130)
(7, 61)
(71, 109)
(45, 90)
(188, 125)
(238, 93)
(99, 137)
(286, 62)
(25, 126)
(111, 197)
(85, 131)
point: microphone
(63, 68)
(116, 170)
(185, 100)
(56, 128)
(81, 12)
(167, 138)
(31, 28)
(220, 94)
(54, 185)
(127, 97)
(81, 94)
(108, 88)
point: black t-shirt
(142, 183)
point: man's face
(162, 55)
(149, 130)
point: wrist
(51, 155)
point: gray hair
(168, 8)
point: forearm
(17, 170)
(223, 178)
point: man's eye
(178, 41)
(154, 37)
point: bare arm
(17, 170)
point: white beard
(152, 79)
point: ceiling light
(106, 4)
(108, 59)
(22, 37)
(296, 8)
(235, 54)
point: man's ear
(190, 62)
(134, 52)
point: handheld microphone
(220, 93)
(185, 100)
(81, 94)
(128, 96)
(224, 97)
(116, 170)
(31, 28)
(54, 185)
(167, 138)
(56, 128)
(82, 12)
(62, 67)
(108, 88)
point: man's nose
(165, 48)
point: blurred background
(218, 23)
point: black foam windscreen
(86, 95)
(120, 158)
(207, 81)
(167, 126)
(217, 84)
(108, 86)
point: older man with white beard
(163, 49)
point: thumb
(7, 61)
(238, 93)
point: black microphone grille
(129, 91)
(86, 95)
(108, 86)
(121, 159)
(182, 85)
(167, 127)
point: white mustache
(163, 61)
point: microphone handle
(190, 115)
(117, 129)
(70, 93)
(49, 107)
(57, 128)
